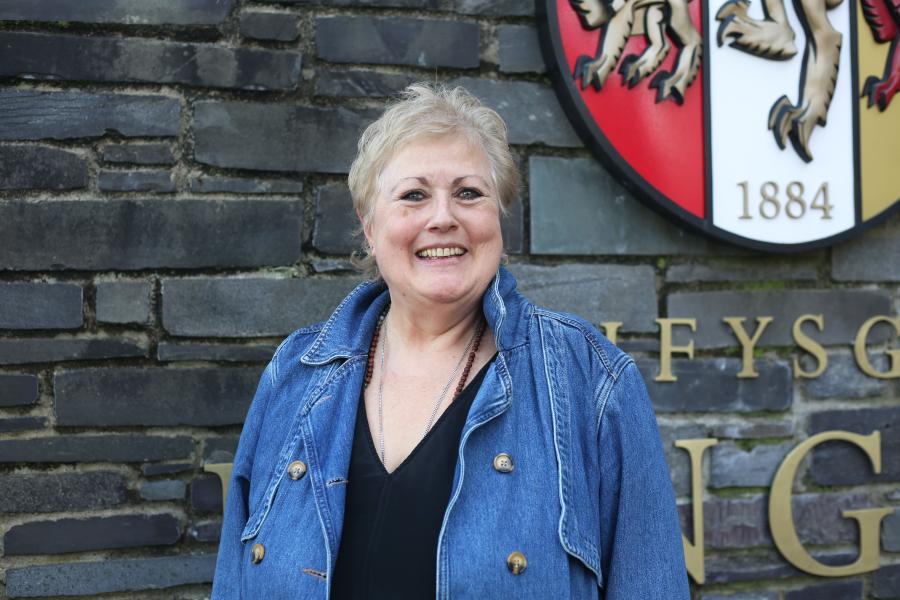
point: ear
(367, 231)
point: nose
(442, 217)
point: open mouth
(439, 253)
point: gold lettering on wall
(694, 553)
(810, 345)
(611, 329)
(748, 344)
(666, 348)
(781, 519)
(859, 349)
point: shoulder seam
(613, 368)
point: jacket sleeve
(229, 563)
(641, 549)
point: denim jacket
(589, 502)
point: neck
(437, 327)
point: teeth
(440, 252)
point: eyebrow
(424, 180)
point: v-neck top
(392, 520)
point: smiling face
(435, 224)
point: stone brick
(844, 311)
(598, 216)
(741, 596)
(138, 154)
(91, 448)
(100, 235)
(89, 578)
(55, 492)
(206, 494)
(123, 301)
(360, 84)
(165, 468)
(39, 305)
(22, 424)
(33, 115)
(40, 350)
(41, 168)
(214, 184)
(97, 533)
(678, 460)
(750, 430)
(332, 265)
(136, 181)
(83, 58)
(419, 4)
(154, 396)
(18, 389)
(271, 26)
(838, 590)
(733, 466)
(277, 137)
(126, 12)
(758, 566)
(886, 582)
(818, 518)
(712, 385)
(593, 291)
(531, 111)
(840, 463)
(736, 522)
(513, 228)
(248, 307)
(520, 51)
(169, 351)
(398, 41)
(220, 449)
(496, 8)
(890, 531)
(335, 221)
(205, 531)
(764, 268)
(843, 379)
(866, 258)
(166, 489)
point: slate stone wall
(172, 204)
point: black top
(392, 520)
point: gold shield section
(879, 132)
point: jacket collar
(348, 332)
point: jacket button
(296, 469)
(516, 563)
(503, 463)
(257, 552)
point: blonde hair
(421, 111)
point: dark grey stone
(219, 449)
(169, 351)
(733, 466)
(886, 582)
(126, 12)
(838, 590)
(167, 489)
(890, 531)
(88, 578)
(335, 221)
(206, 494)
(136, 181)
(123, 301)
(741, 596)
(154, 396)
(138, 154)
(205, 531)
(33, 115)
(84, 58)
(40, 350)
(96, 533)
(56, 492)
(41, 168)
(593, 292)
(495, 8)
(841, 463)
(94, 448)
(751, 430)
(248, 307)
(579, 208)
(213, 184)
(271, 26)
(165, 468)
(712, 385)
(874, 256)
(512, 226)
(844, 311)
(38, 305)
(818, 518)
(736, 522)
(22, 424)
(520, 50)
(679, 460)
(764, 268)
(531, 111)
(398, 41)
(762, 566)
(420, 4)
(18, 389)
(843, 379)
(332, 265)
(277, 137)
(141, 234)
(360, 84)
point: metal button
(503, 463)
(516, 563)
(296, 469)
(257, 552)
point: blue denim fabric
(589, 502)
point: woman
(439, 435)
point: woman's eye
(469, 194)
(413, 195)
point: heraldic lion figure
(662, 22)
